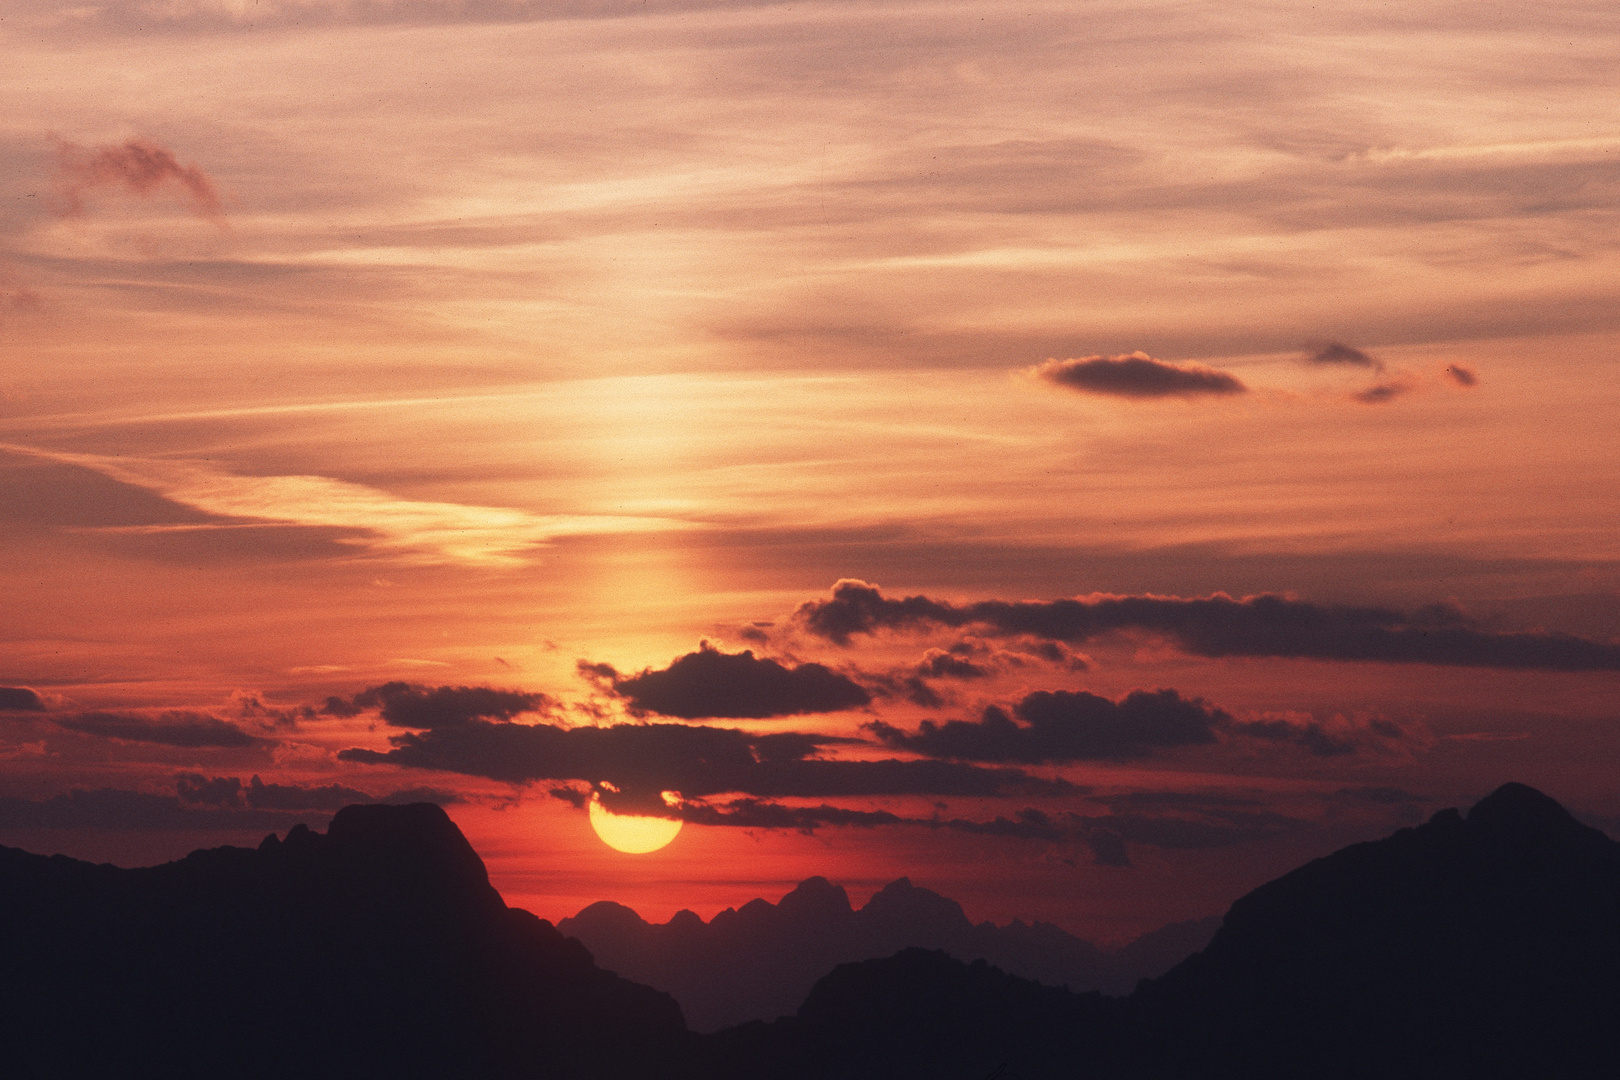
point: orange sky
(453, 344)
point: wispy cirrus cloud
(383, 524)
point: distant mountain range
(759, 961)
(1478, 946)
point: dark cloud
(1107, 834)
(137, 168)
(939, 664)
(184, 729)
(711, 683)
(1030, 823)
(1107, 848)
(761, 814)
(410, 705)
(229, 791)
(641, 760)
(1313, 737)
(1066, 725)
(1131, 801)
(1138, 375)
(262, 796)
(1381, 393)
(20, 699)
(1462, 376)
(108, 808)
(1216, 626)
(1335, 352)
(199, 790)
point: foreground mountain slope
(378, 949)
(1485, 946)
(759, 961)
(1488, 945)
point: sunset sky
(1234, 386)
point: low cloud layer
(188, 730)
(1216, 626)
(641, 760)
(228, 792)
(413, 706)
(1062, 725)
(1138, 375)
(710, 683)
(131, 811)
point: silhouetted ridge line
(1477, 946)
(759, 961)
(378, 949)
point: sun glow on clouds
(403, 529)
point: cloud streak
(384, 525)
(1062, 726)
(1218, 626)
(189, 730)
(642, 760)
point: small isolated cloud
(1138, 375)
(1066, 725)
(20, 699)
(1461, 375)
(184, 729)
(711, 683)
(1336, 352)
(137, 167)
(1382, 393)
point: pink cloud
(137, 167)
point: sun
(631, 833)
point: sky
(1088, 457)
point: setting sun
(632, 833)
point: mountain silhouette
(1485, 945)
(378, 949)
(759, 961)
(1477, 946)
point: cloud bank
(1062, 725)
(1217, 626)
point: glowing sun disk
(632, 833)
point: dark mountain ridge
(1477, 946)
(759, 961)
(377, 949)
